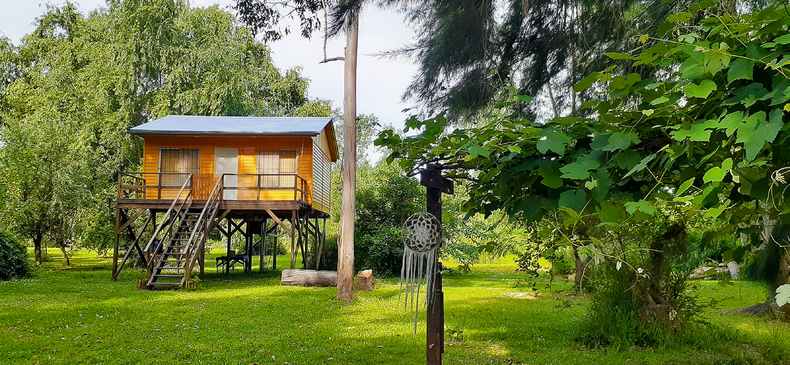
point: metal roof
(235, 126)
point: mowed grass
(493, 315)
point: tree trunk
(62, 246)
(345, 263)
(37, 249)
(578, 271)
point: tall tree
(708, 135)
(263, 15)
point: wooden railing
(197, 239)
(255, 187)
(171, 221)
(261, 187)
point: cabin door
(226, 161)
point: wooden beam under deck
(237, 208)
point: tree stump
(365, 280)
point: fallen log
(303, 277)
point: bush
(385, 199)
(639, 299)
(13, 257)
(381, 252)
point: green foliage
(544, 252)
(13, 257)
(706, 136)
(385, 199)
(72, 89)
(783, 295)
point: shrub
(381, 252)
(13, 257)
(639, 299)
(385, 199)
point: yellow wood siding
(248, 162)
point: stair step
(167, 276)
(165, 283)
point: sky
(380, 81)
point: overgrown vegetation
(385, 199)
(13, 257)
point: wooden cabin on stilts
(236, 175)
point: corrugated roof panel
(255, 126)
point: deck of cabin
(249, 204)
(241, 195)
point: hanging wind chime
(422, 236)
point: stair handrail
(212, 203)
(170, 218)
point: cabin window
(177, 163)
(278, 168)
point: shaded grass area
(493, 315)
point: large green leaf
(609, 214)
(579, 170)
(741, 68)
(640, 166)
(715, 174)
(479, 151)
(586, 82)
(783, 295)
(755, 132)
(641, 206)
(701, 90)
(573, 199)
(551, 176)
(621, 141)
(553, 141)
(684, 186)
(785, 39)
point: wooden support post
(435, 185)
(228, 233)
(262, 253)
(274, 250)
(304, 239)
(115, 245)
(293, 239)
(435, 334)
(202, 258)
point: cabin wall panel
(248, 160)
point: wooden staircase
(170, 267)
(183, 235)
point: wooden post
(435, 185)
(261, 255)
(115, 244)
(435, 320)
(228, 233)
(345, 253)
(293, 239)
(274, 250)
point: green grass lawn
(77, 315)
